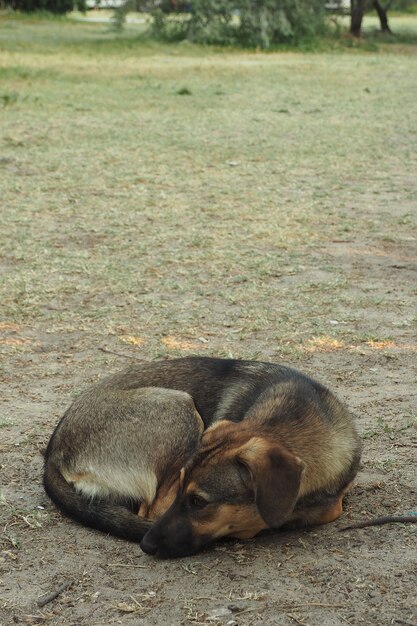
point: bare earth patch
(268, 213)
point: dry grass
(203, 197)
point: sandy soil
(319, 576)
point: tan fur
(232, 520)
(107, 480)
(193, 488)
(163, 499)
(332, 513)
(225, 406)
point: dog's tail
(110, 517)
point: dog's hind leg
(324, 512)
(335, 510)
(321, 514)
(332, 513)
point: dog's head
(238, 483)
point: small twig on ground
(297, 619)
(386, 519)
(45, 599)
(124, 356)
(127, 565)
(307, 605)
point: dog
(177, 454)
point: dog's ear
(275, 477)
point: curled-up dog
(272, 448)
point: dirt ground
(316, 576)
(307, 257)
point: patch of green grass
(384, 427)
(403, 26)
(385, 465)
(129, 208)
(9, 99)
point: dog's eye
(196, 501)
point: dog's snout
(168, 539)
(148, 545)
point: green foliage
(270, 22)
(211, 22)
(253, 23)
(119, 14)
(52, 6)
(401, 5)
(81, 5)
(168, 28)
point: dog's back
(220, 388)
(116, 448)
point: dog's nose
(149, 546)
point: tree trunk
(357, 9)
(382, 14)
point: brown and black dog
(272, 447)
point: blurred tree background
(249, 23)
